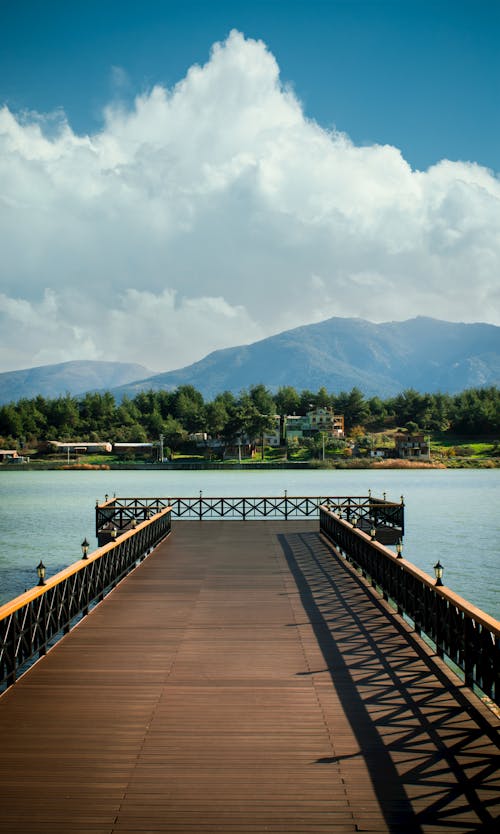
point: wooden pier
(244, 678)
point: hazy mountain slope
(380, 359)
(67, 377)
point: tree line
(179, 413)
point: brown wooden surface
(243, 680)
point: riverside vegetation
(464, 428)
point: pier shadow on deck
(417, 736)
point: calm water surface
(450, 515)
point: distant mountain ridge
(339, 353)
(75, 377)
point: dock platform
(245, 679)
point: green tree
(307, 401)
(377, 409)
(323, 398)
(189, 408)
(10, 422)
(173, 432)
(353, 406)
(287, 400)
(97, 412)
(216, 417)
(63, 417)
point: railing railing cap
(476, 614)
(31, 594)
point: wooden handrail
(38, 590)
(461, 632)
(464, 605)
(35, 620)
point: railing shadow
(432, 758)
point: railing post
(438, 626)
(43, 625)
(468, 651)
(11, 676)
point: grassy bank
(353, 463)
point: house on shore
(411, 446)
(8, 455)
(322, 420)
(76, 448)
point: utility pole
(161, 448)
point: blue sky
(177, 178)
(423, 75)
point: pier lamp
(114, 533)
(85, 548)
(106, 497)
(438, 570)
(354, 521)
(373, 532)
(40, 570)
(399, 549)
(133, 523)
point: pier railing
(461, 633)
(35, 620)
(121, 513)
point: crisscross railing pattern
(122, 512)
(462, 633)
(35, 620)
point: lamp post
(40, 570)
(399, 549)
(85, 548)
(114, 533)
(373, 532)
(438, 571)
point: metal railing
(35, 620)
(461, 633)
(122, 512)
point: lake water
(451, 515)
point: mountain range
(67, 378)
(339, 353)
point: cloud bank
(215, 213)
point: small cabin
(75, 448)
(411, 446)
(7, 455)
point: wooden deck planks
(242, 679)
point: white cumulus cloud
(215, 213)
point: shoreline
(362, 463)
